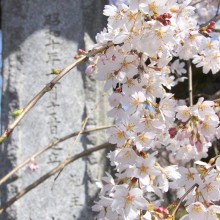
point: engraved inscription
(77, 180)
(54, 156)
(52, 48)
(75, 200)
(53, 121)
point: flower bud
(81, 51)
(76, 57)
(166, 22)
(209, 30)
(167, 15)
(172, 132)
(90, 69)
(212, 22)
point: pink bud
(166, 22)
(172, 132)
(118, 90)
(167, 15)
(76, 57)
(210, 26)
(81, 51)
(159, 209)
(160, 19)
(165, 211)
(90, 69)
(209, 30)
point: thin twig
(194, 4)
(51, 173)
(217, 8)
(86, 120)
(216, 149)
(48, 88)
(216, 18)
(216, 30)
(181, 199)
(41, 151)
(189, 66)
(82, 129)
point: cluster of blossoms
(149, 40)
(196, 129)
(203, 186)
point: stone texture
(39, 35)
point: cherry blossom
(198, 211)
(128, 202)
(178, 67)
(152, 39)
(33, 165)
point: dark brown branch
(51, 173)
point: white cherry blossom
(127, 202)
(150, 38)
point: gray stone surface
(39, 35)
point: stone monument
(37, 36)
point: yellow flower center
(120, 134)
(208, 187)
(143, 169)
(197, 208)
(190, 176)
(159, 33)
(153, 7)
